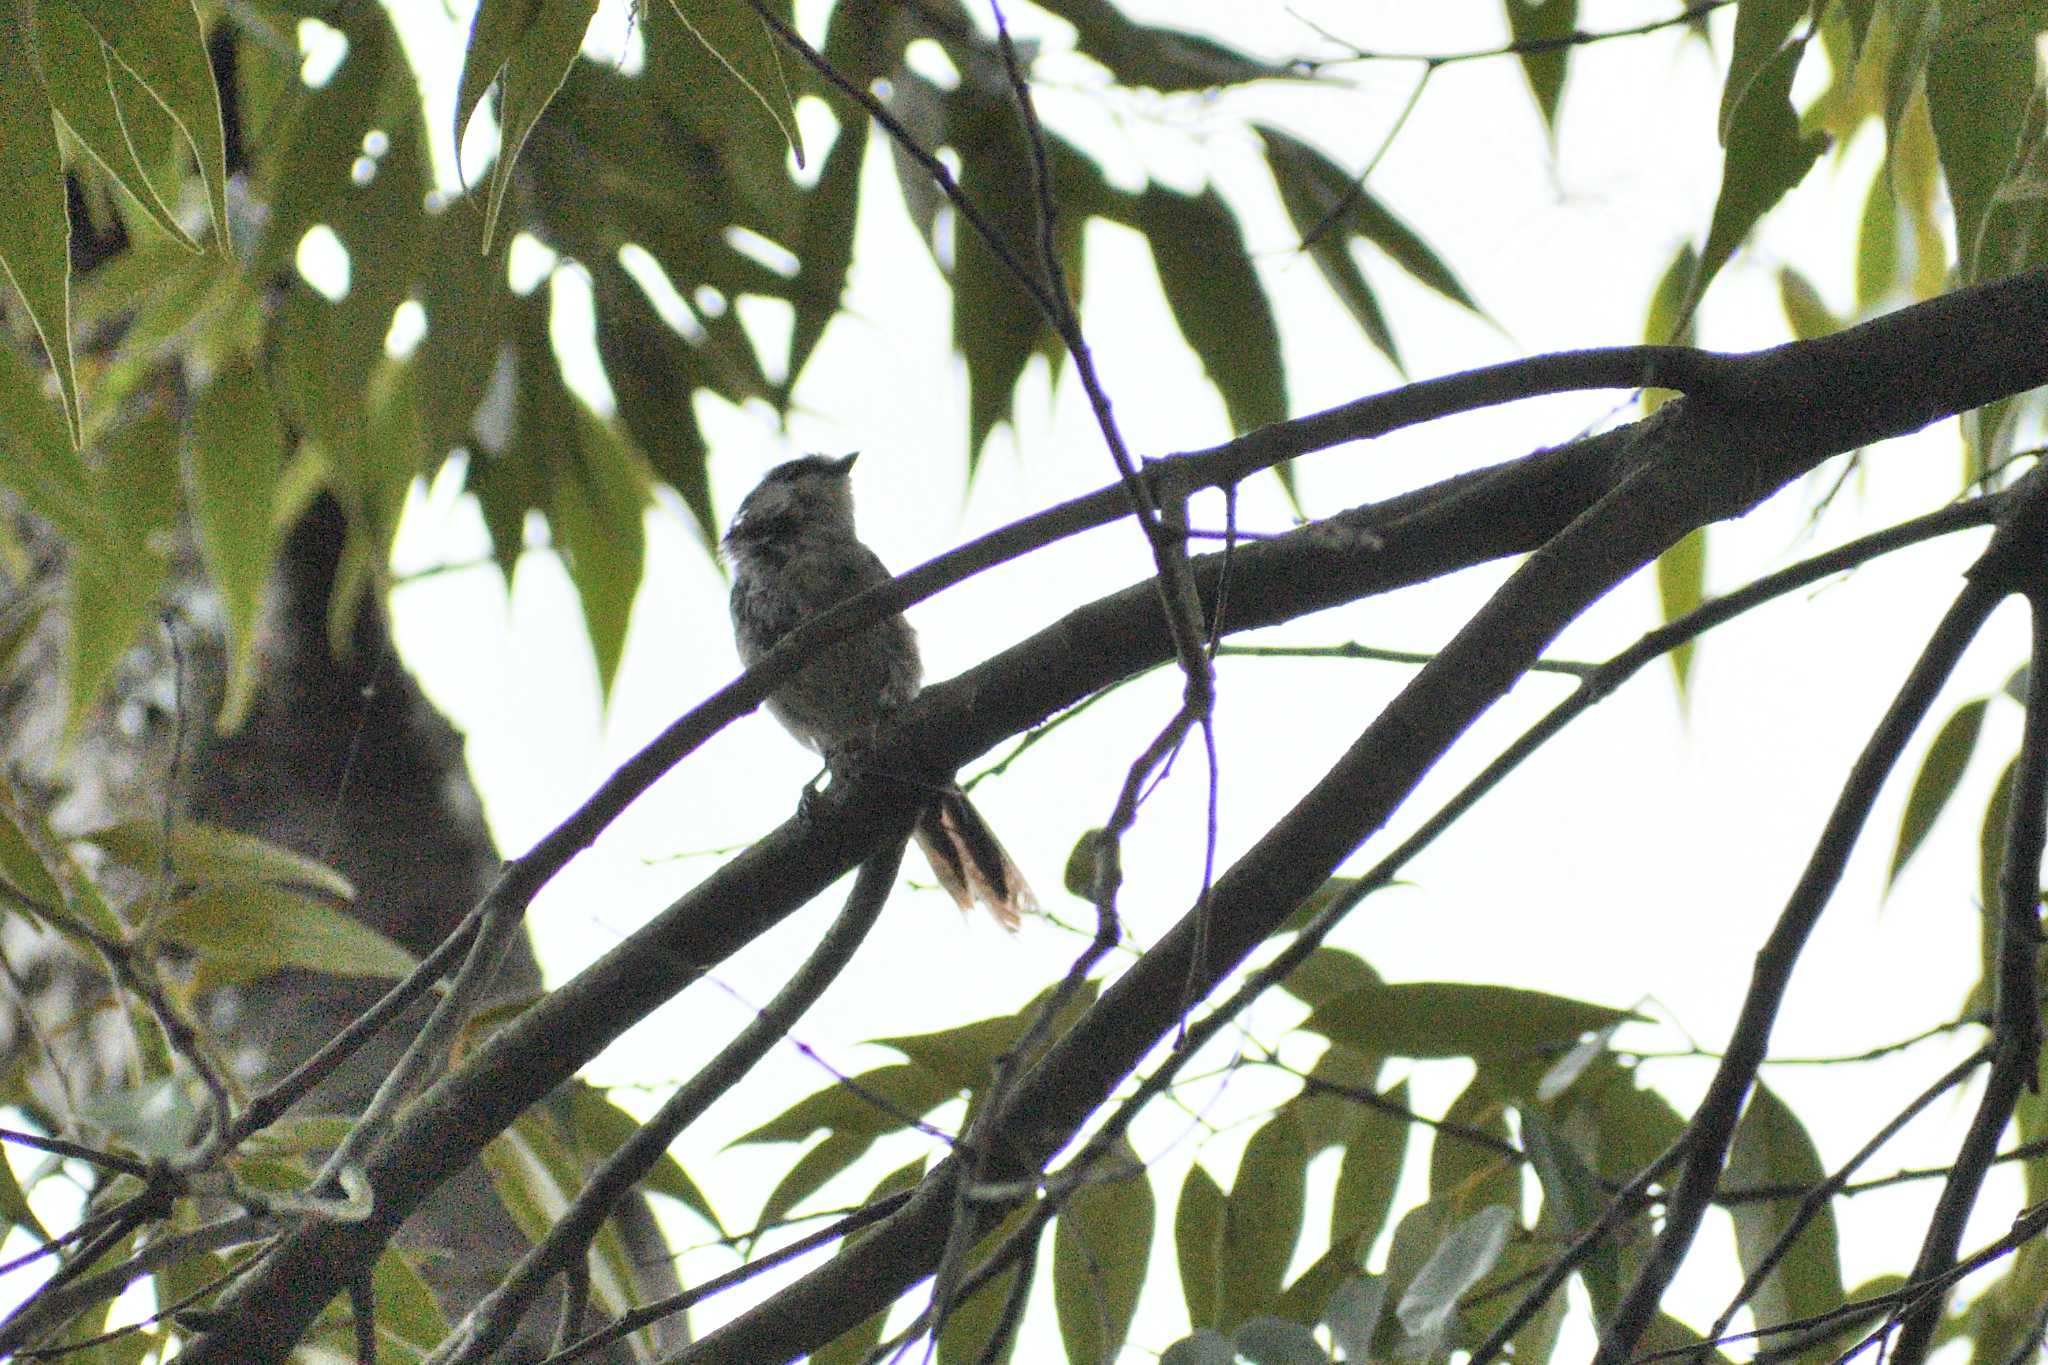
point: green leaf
(244, 931)
(1262, 1219)
(161, 44)
(114, 595)
(1761, 29)
(1941, 769)
(407, 1312)
(1573, 1201)
(1991, 847)
(1464, 1174)
(1198, 1245)
(1454, 1019)
(1681, 587)
(129, 137)
(1978, 96)
(25, 873)
(1327, 973)
(1353, 1314)
(1207, 275)
(1276, 1341)
(1304, 1301)
(35, 232)
(530, 44)
(996, 326)
(467, 304)
(1805, 309)
(596, 515)
(824, 245)
(969, 1336)
(1370, 1173)
(1200, 1348)
(1329, 208)
(205, 854)
(1766, 157)
(1316, 902)
(1531, 23)
(536, 1175)
(882, 1100)
(750, 53)
(599, 1128)
(1102, 1243)
(1460, 1261)
(36, 457)
(1771, 1147)
(233, 462)
(1152, 58)
(1667, 1337)
(653, 372)
(1328, 1108)
(965, 1056)
(1669, 319)
(1877, 244)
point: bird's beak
(844, 464)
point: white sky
(1640, 859)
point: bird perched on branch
(794, 556)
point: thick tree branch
(1761, 421)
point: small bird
(794, 555)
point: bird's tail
(970, 862)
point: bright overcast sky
(1637, 862)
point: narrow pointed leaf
(1761, 28)
(246, 930)
(1978, 98)
(162, 45)
(206, 854)
(1198, 1245)
(1766, 157)
(1217, 300)
(1772, 1148)
(1940, 771)
(233, 461)
(529, 44)
(653, 372)
(35, 231)
(1455, 1019)
(37, 461)
(1262, 1219)
(1102, 1245)
(1805, 310)
(1682, 586)
(81, 78)
(731, 32)
(1532, 22)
